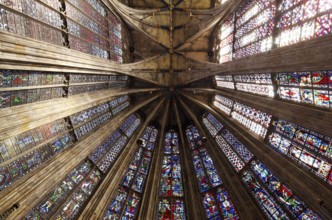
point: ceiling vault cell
(178, 28)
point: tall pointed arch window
(276, 200)
(255, 120)
(224, 42)
(171, 194)
(254, 27)
(67, 198)
(215, 198)
(106, 154)
(126, 203)
(70, 194)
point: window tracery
(126, 203)
(171, 192)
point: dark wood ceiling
(184, 4)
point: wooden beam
(314, 54)
(16, 120)
(29, 53)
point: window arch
(126, 203)
(171, 191)
(215, 198)
(276, 200)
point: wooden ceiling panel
(146, 3)
(184, 4)
(177, 31)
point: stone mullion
(275, 22)
(64, 26)
(192, 199)
(149, 203)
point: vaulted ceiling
(171, 39)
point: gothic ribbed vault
(169, 101)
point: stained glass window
(54, 199)
(255, 120)
(275, 199)
(302, 20)
(171, 209)
(109, 158)
(87, 78)
(48, 28)
(225, 81)
(88, 120)
(260, 84)
(212, 124)
(237, 154)
(242, 151)
(216, 200)
(309, 87)
(254, 26)
(81, 83)
(122, 103)
(86, 115)
(205, 171)
(74, 203)
(126, 202)
(118, 81)
(171, 193)
(74, 90)
(15, 87)
(106, 42)
(130, 125)
(294, 206)
(105, 155)
(104, 147)
(116, 102)
(305, 87)
(224, 40)
(309, 148)
(20, 78)
(223, 104)
(92, 28)
(263, 197)
(18, 144)
(18, 168)
(233, 158)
